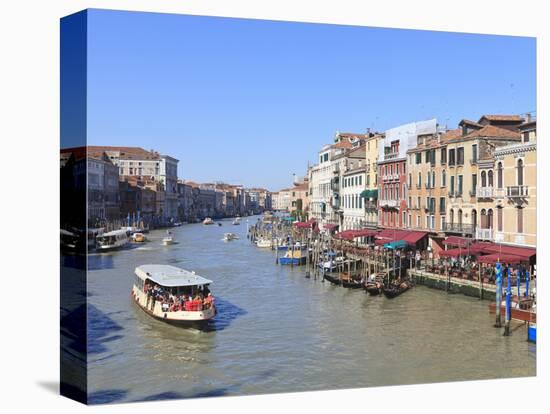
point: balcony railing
(517, 191)
(484, 192)
(388, 203)
(369, 223)
(371, 206)
(458, 228)
(484, 234)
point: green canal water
(277, 331)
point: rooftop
(170, 276)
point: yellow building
(371, 180)
(427, 182)
(470, 174)
(516, 190)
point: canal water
(278, 331)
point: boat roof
(113, 233)
(170, 276)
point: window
(452, 189)
(433, 179)
(427, 156)
(442, 205)
(474, 183)
(432, 157)
(418, 202)
(460, 156)
(418, 157)
(460, 184)
(397, 192)
(474, 153)
(451, 157)
(483, 179)
(443, 178)
(490, 178)
(444, 155)
(368, 180)
(499, 175)
(360, 180)
(419, 182)
(410, 180)
(520, 172)
(526, 137)
(499, 218)
(409, 205)
(520, 220)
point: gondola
(352, 284)
(395, 290)
(374, 288)
(332, 279)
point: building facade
(516, 189)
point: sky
(252, 101)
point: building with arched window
(515, 202)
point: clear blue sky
(251, 101)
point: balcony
(517, 191)
(371, 206)
(484, 234)
(484, 192)
(388, 203)
(336, 169)
(458, 228)
(499, 192)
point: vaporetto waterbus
(173, 295)
(112, 240)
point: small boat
(517, 313)
(229, 236)
(264, 243)
(294, 257)
(219, 224)
(208, 220)
(169, 239)
(237, 221)
(112, 240)
(349, 282)
(374, 288)
(332, 279)
(138, 238)
(396, 288)
(177, 224)
(532, 333)
(173, 295)
(69, 240)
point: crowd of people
(170, 302)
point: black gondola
(395, 289)
(352, 284)
(374, 289)
(332, 279)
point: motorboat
(229, 236)
(138, 238)
(208, 220)
(112, 240)
(294, 257)
(237, 221)
(169, 239)
(264, 243)
(173, 295)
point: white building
(352, 184)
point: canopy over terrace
(412, 238)
(501, 258)
(305, 225)
(352, 234)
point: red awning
(502, 258)
(329, 226)
(414, 237)
(303, 225)
(457, 241)
(453, 253)
(525, 253)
